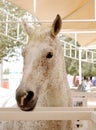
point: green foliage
(88, 69)
(8, 48)
(72, 66)
(9, 45)
(12, 9)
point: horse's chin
(29, 106)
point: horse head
(41, 58)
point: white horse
(44, 82)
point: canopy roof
(78, 16)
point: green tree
(9, 43)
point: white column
(35, 8)
(75, 45)
(1, 74)
(80, 66)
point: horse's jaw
(51, 98)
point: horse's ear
(56, 26)
(29, 29)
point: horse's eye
(49, 55)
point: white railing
(52, 113)
(74, 52)
(49, 113)
(9, 20)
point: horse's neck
(55, 97)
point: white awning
(81, 14)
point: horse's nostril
(24, 98)
(29, 96)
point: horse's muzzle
(26, 100)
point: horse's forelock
(40, 34)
